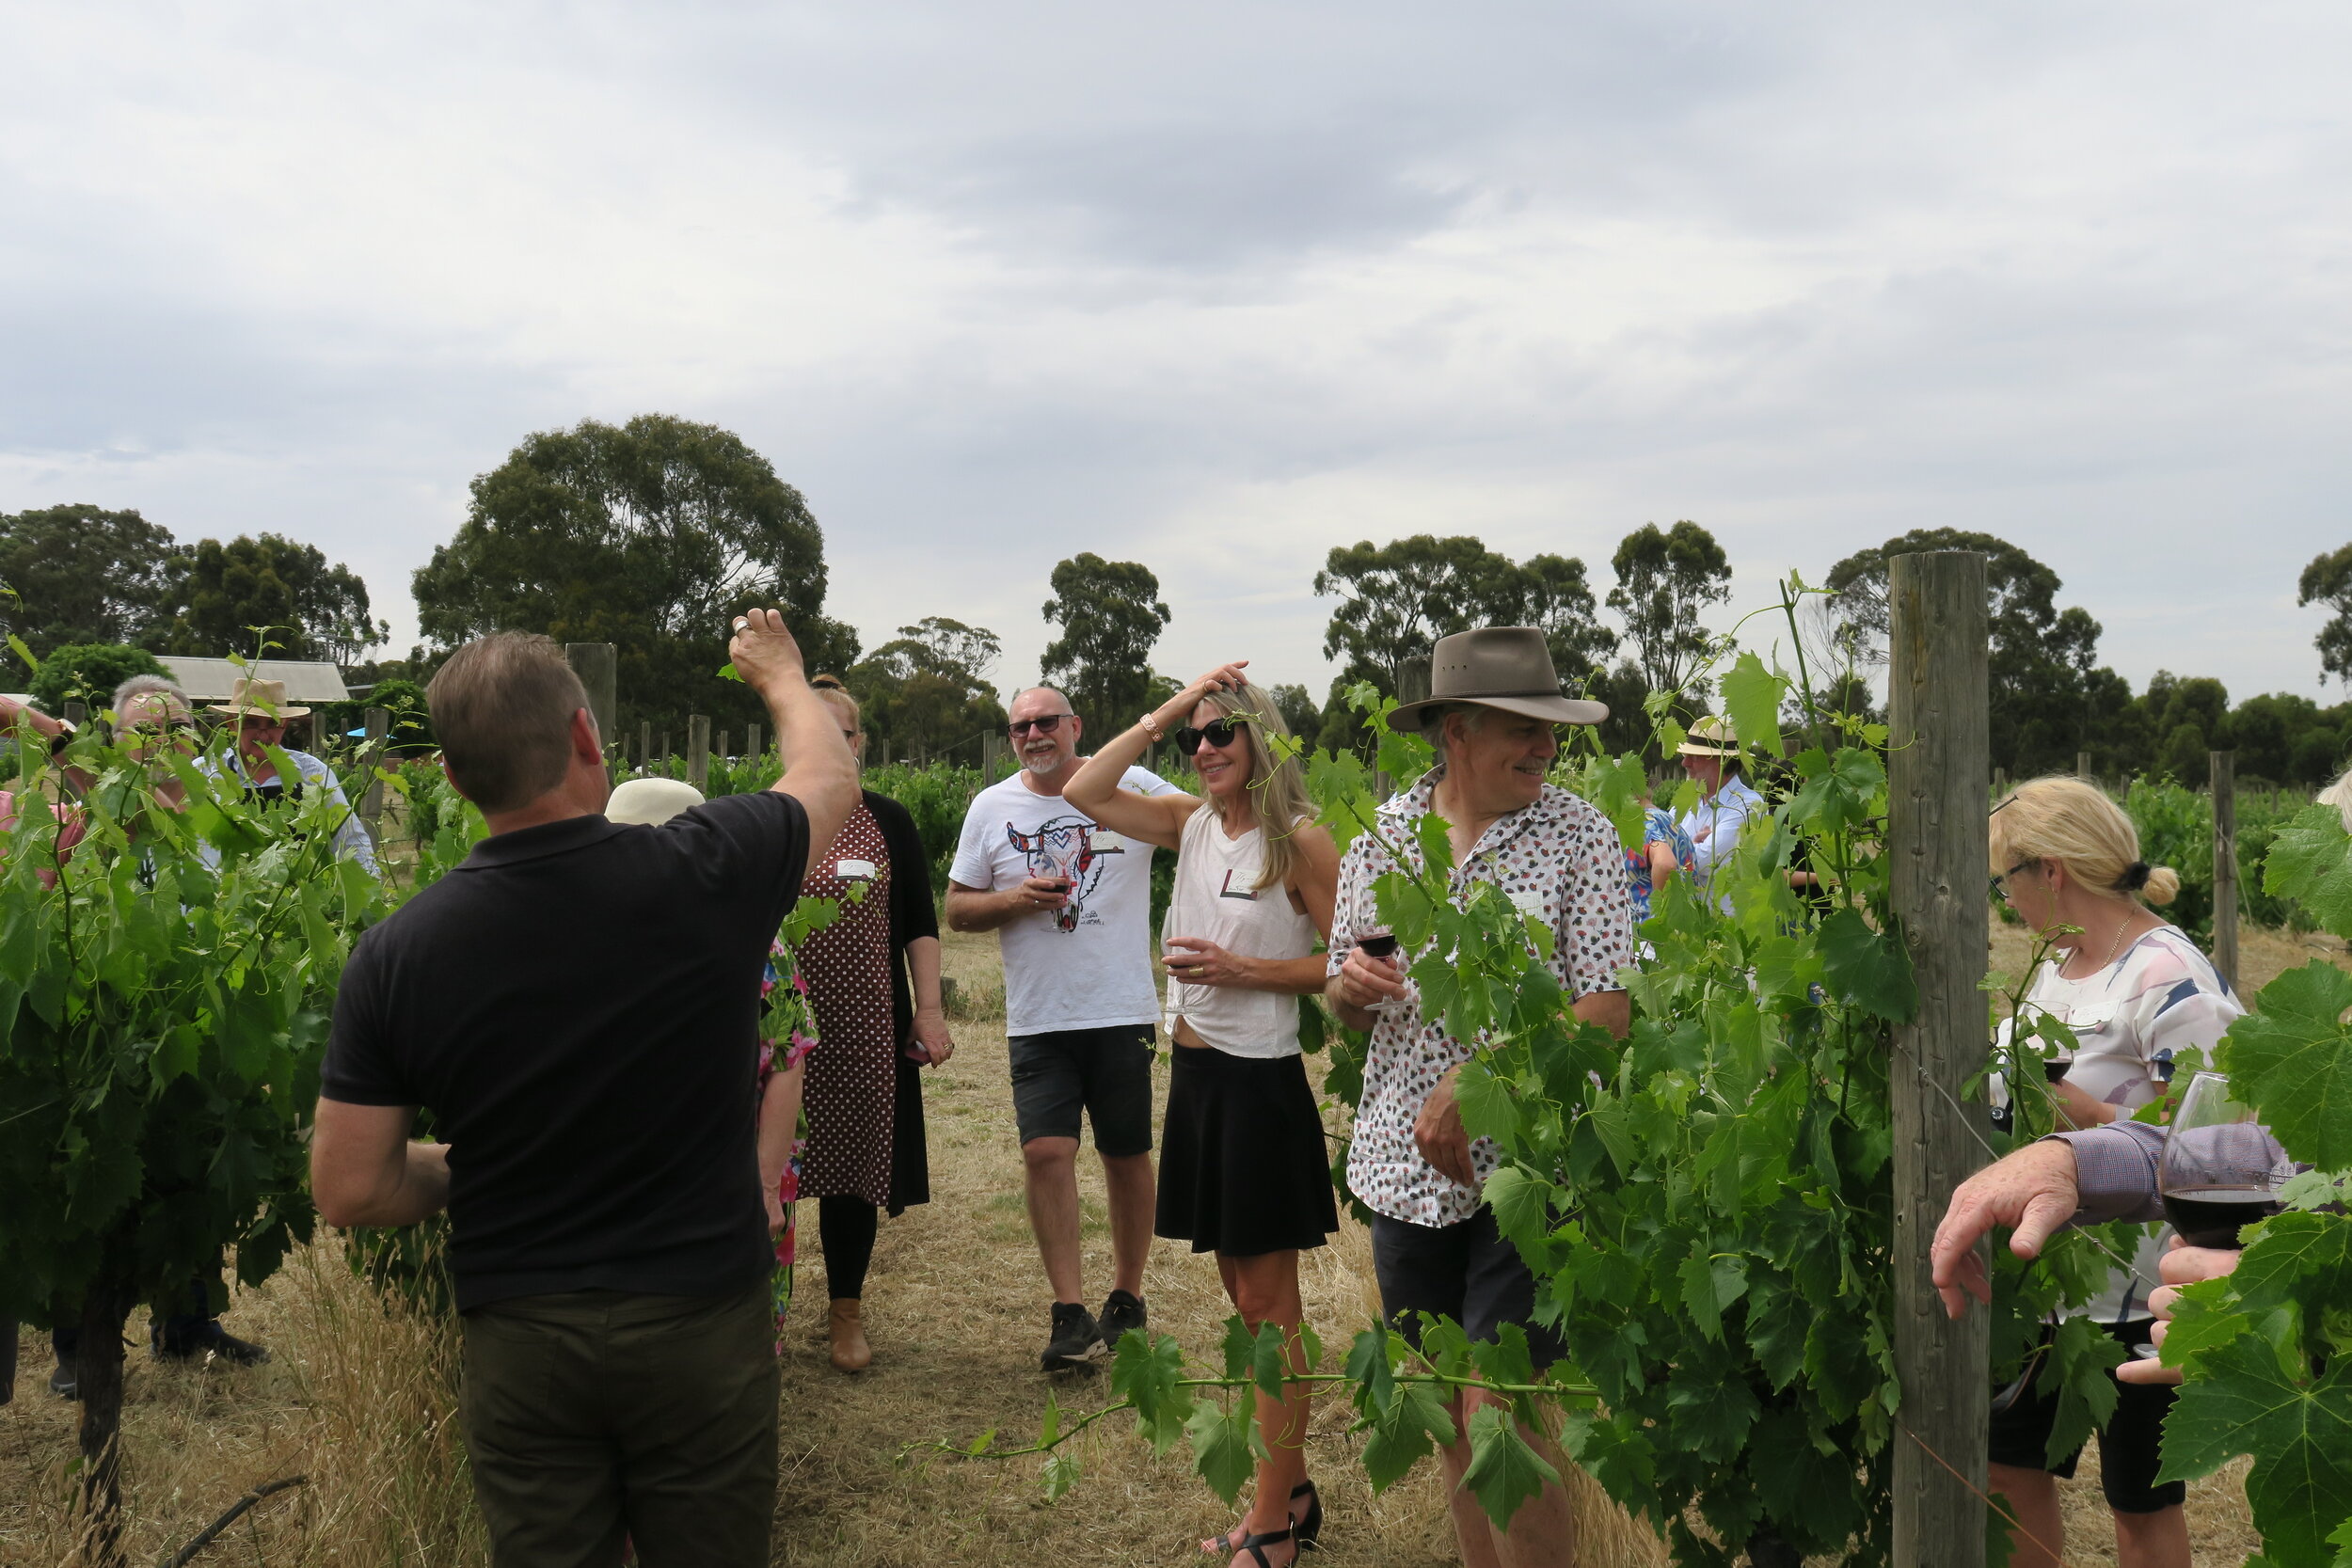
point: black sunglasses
(1218, 733)
(1046, 725)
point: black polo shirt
(579, 1006)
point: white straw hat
(650, 802)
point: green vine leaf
(1147, 1375)
(1752, 699)
(1221, 1445)
(2298, 1430)
(1867, 967)
(1504, 1470)
(2291, 1059)
(2307, 863)
(2082, 1354)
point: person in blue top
(1665, 849)
(1711, 754)
(260, 711)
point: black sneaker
(1121, 1312)
(65, 1383)
(210, 1339)
(1077, 1338)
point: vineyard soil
(957, 1314)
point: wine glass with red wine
(2221, 1169)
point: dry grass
(361, 1401)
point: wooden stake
(697, 748)
(2224, 768)
(1938, 750)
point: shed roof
(206, 680)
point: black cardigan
(913, 914)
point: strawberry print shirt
(1560, 862)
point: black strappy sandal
(1256, 1544)
(1308, 1527)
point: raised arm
(1154, 819)
(819, 770)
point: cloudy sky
(1218, 287)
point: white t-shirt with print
(1087, 965)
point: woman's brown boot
(851, 1353)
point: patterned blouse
(1658, 827)
(1558, 859)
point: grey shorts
(1103, 1073)
(1468, 1272)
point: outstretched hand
(2032, 1191)
(2182, 1264)
(763, 651)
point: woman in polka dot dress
(873, 984)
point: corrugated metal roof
(206, 680)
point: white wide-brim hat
(650, 802)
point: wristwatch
(1151, 723)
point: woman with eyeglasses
(1244, 1172)
(2132, 990)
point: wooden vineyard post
(698, 749)
(595, 664)
(2082, 764)
(1938, 753)
(2224, 766)
(752, 753)
(378, 722)
(992, 747)
(2000, 782)
(725, 751)
(77, 714)
(644, 745)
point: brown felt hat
(1499, 667)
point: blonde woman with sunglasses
(1243, 1168)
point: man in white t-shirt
(1070, 904)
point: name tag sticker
(854, 870)
(1104, 842)
(1529, 902)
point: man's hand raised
(763, 651)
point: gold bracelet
(1151, 723)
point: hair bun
(2135, 877)
(2158, 884)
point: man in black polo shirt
(577, 1004)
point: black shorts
(1107, 1073)
(1466, 1272)
(2128, 1460)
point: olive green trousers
(595, 1416)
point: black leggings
(845, 1227)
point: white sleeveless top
(1217, 897)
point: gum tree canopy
(2042, 671)
(649, 535)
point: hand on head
(762, 650)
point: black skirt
(1244, 1168)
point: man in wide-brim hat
(1492, 711)
(260, 711)
(1711, 754)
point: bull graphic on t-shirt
(1065, 848)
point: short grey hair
(150, 685)
(1474, 717)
